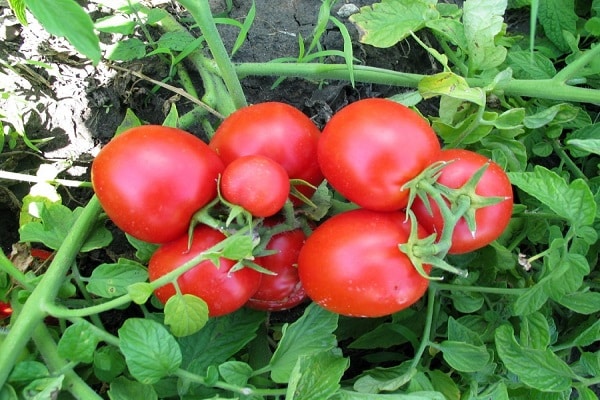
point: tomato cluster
(381, 156)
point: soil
(64, 97)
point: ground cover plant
(438, 242)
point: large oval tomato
(490, 221)
(222, 290)
(256, 183)
(371, 148)
(276, 130)
(151, 179)
(351, 264)
(284, 290)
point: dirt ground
(79, 106)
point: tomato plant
(150, 180)
(256, 183)
(283, 290)
(275, 130)
(351, 264)
(222, 290)
(490, 220)
(372, 147)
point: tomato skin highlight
(371, 148)
(275, 130)
(257, 183)
(490, 221)
(224, 292)
(151, 179)
(284, 290)
(351, 264)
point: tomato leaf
(482, 20)
(316, 376)
(450, 84)
(108, 363)
(236, 372)
(124, 389)
(464, 357)
(582, 302)
(311, 333)
(112, 280)
(557, 16)
(385, 379)
(185, 314)
(140, 292)
(78, 342)
(150, 351)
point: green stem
(426, 336)
(246, 391)
(580, 62)
(7, 266)
(562, 154)
(32, 313)
(202, 14)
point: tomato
(351, 264)
(275, 130)
(371, 148)
(223, 291)
(256, 183)
(490, 221)
(151, 179)
(5, 310)
(284, 290)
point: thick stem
(32, 313)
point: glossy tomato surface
(351, 264)
(371, 148)
(276, 130)
(151, 179)
(257, 183)
(284, 290)
(224, 292)
(490, 221)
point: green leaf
(589, 335)
(18, 7)
(185, 314)
(587, 145)
(127, 50)
(385, 379)
(78, 343)
(44, 388)
(558, 113)
(583, 302)
(112, 280)
(108, 363)
(172, 118)
(311, 333)
(450, 84)
(316, 376)
(118, 23)
(176, 41)
(530, 301)
(451, 29)
(56, 222)
(27, 371)
(539, 369)
(535, 331)
(528, 65)
(386, 23)
(574, 202)
(482, 20)
(235, 372)
(124, 389)
(140, 292)
(79, 31)
(348, 395)
(556, 16)
(144, 250)
(443, 383)
(464, 357)
(150, 351)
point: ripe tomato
(490, 221)
(351, 264)
(276, 130)
(372, 147)
(284, 290)
(151, 179)
(257, 183)
(5, 310)
(224, 292)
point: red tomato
(351, 264)
(151, 179)
(276, 130)
(371, 148)
(490, 221)
(256, 183)
(5, 310)
(224, 292)
(284, 290)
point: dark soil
(79, 106)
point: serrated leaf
(112, 280)
(185, 314)
(528, 65)
(127, 50)
(311, 333)
(482, 20)
(316, 376)
(80, 29)
(450, 84)
(386, 23)
(124, 389)
(176, 41)
(451, 29)
(539, 369)
(464, 357)
(573, 201)
(584, 302)
(78, 343)
(150, 351)
(558, 113)
(557, 16)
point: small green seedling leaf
(185, 314)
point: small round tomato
(490, 220)
(5, 310)
(284, 290)
(351, 264)
(371, 148)
(256, 183)
(222, 290)
(151, 179)
(275, 130)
